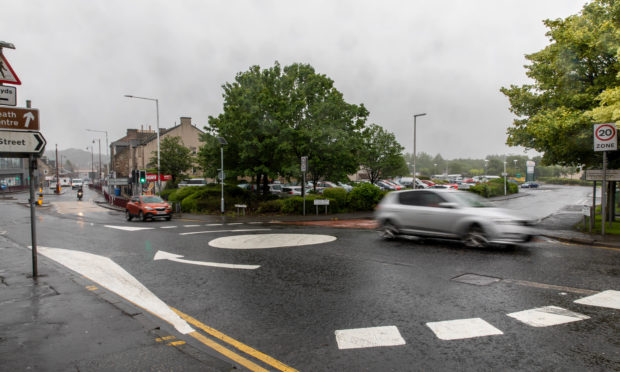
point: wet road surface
(357, 302)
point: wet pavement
(62, 322)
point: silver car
(450, 214)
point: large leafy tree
(380, 154)
(554, 113)
(174, 157)
(273, 116)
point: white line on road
(610, 299)
(191, 225)
(161, 255)
(168, 227)
(463, 328)
(129, 228)
(547, 316)
(214, 224)
(368, 337)
(219, 231)
(108, 274)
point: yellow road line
(224, 351)
(587, 245)
(176, 343)
(160, 339)
(246, 349)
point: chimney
(186, 120)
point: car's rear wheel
(128, 215)
(388, 230)
(142, 216)
(475, 237)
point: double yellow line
(238, 345)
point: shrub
(182, 193)
(365, 197)
(494, 187)
(270, 206)
(564, 181)
(337, 199)
(165, 193)
(189, 205)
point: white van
(76, 183)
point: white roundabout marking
(264, 241)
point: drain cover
(476, 279)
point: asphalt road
(353, 302)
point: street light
(414, 148)
(107, 147)
(158, 155)
(222, 175)
(515, 161)
(486, 162)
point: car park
(450, 214)
(147, 207)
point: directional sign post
(8, 95)
(19, 118)
(21, 144)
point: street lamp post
(223, 142)
(414, 148)
(107, 147)
(515, 161)
(158, 155)
(486, 162)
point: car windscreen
(152, 199)
(468, 199)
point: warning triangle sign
(7, 75)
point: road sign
(8, 95)
(597, 175)
(605, 137)
(118, 181)
(321, 201)
(304, 163)
(20, 143)
(7, 75)
(19, 118)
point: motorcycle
(80, 193)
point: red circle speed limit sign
(605, 137)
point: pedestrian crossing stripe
(609, 299)
(547, 316)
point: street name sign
(19, 118)
(321, 201)
(8, 95)
(605, 137)
(21, 143)
(597, 175)
(7, 75)
(118, 181)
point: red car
(148, 206)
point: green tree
(554, 113)
(174, 158)
(380, 154)
(272, 117)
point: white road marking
(168, 227)
(610, 299)
(217, 231)
(129, 228)
(108, 274)
(161, 255)
(368, 337)
(214, 224)
(547, 316)
(191, 225)
(262, 241)
(234, 223)
(463, 328)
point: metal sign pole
(33, 228)
(604, 194)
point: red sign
(7, 75)
(152, 177)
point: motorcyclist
(80, 193)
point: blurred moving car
(450, 214)
(193, 182)
(529, 185)
(76, 183)
(148, 207)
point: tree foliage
(556, 112)
(380, 154)
(175, 158)
(272, 117)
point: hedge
(494, 187)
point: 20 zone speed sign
(605, 137)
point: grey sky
(76, 60)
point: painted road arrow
(161, 255)
(20, 142)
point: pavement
(59, 321)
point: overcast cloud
(77, 60)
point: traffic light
(142, 176)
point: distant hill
(79, 158)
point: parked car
(292, 190)
(193, 182)
(529, 185)
(148, 207)
(345, 186)
(275, 188)
(450, 214)
(385, 186)
(445, 186)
